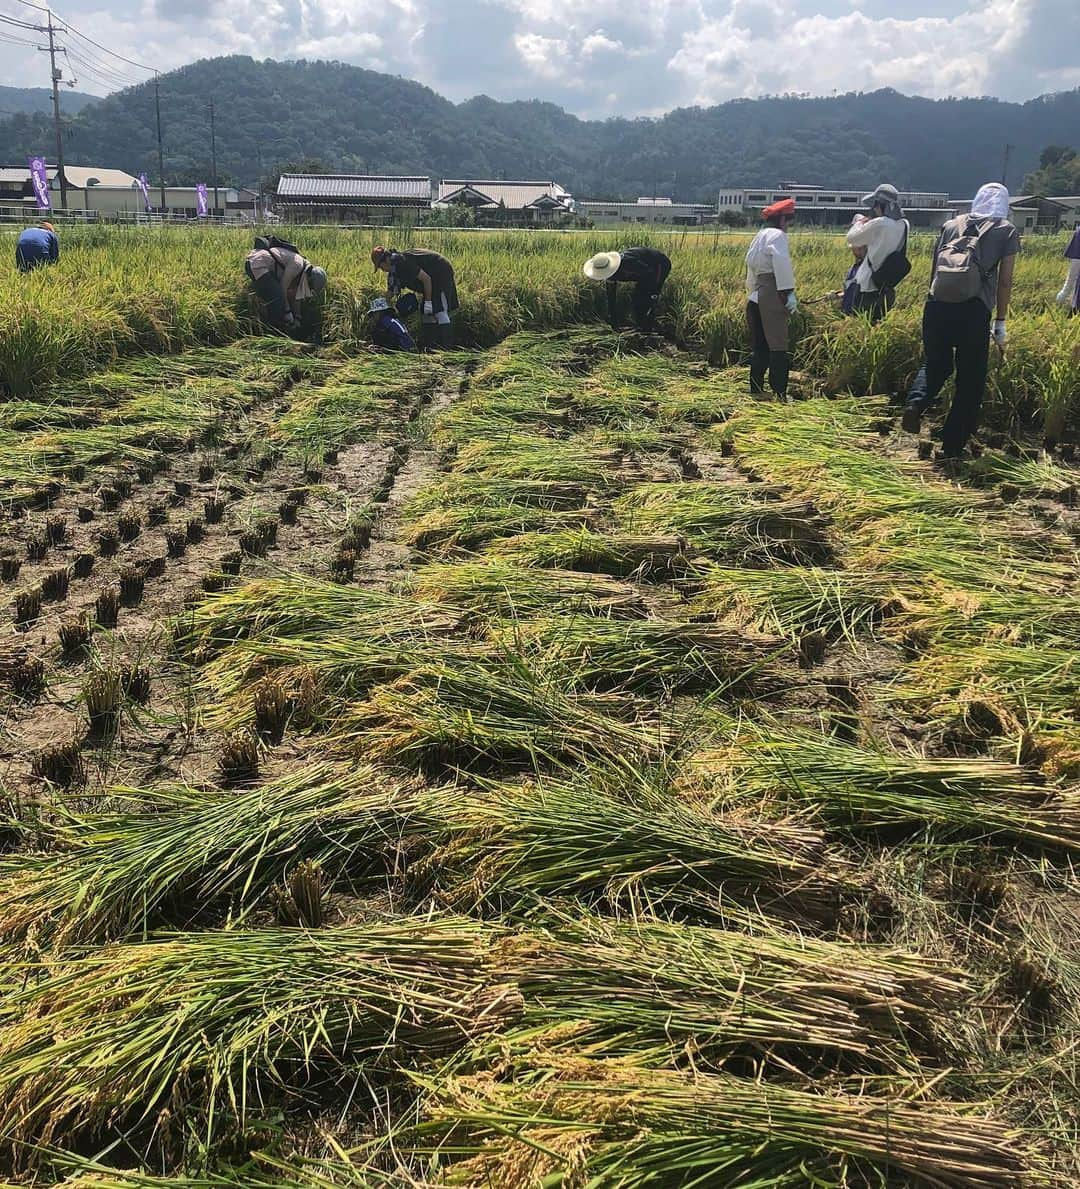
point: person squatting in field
(645, 268)
(387, 329)
(770, 299)
(881, 236)
(37, 246)
(971, 274)
(287, 286)
(1069, 296)
(430, 275)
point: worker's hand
(429, 308)
(998, 333)
(1064, 298)
(791, 304)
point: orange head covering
(46, 226)
(786, 206)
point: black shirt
(405, 269)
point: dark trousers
(778, 363)
(875, 305)
(956, 337)
(271, 297)
(646, 298)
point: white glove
(998, 333)
(428, 308)
(1065, 297)
(791, 305)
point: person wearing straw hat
(770, 299)
(427, 273)
(883, 239)
(387, 329)
(37, 246)
(1069, 297)
(645, 268)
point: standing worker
(883, 238)
(37, 246)
(287, 285)
(429, 274)
(972, 273)
(770, 294)
(1070, 291)
(645, 268)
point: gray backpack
(959, 275)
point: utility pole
(56, 77)
(160, 150)
(213, 155)
(1005, 163)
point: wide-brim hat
(603, 266)
(378, 305)
(885, 194)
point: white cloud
(613, 57)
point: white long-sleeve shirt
(768, 252)
(880, 237)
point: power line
(70, 28)
(105, 74)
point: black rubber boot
(757, 380)
(446, 336)
(779, 369)
(428, 336)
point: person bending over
(645, 268)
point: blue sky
(606, 57)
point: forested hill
(14, 100)
(355, 120)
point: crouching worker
(770, 294)
(430, 275)
(36, 246)
(387, 329)
(288, 287)
(645, 268)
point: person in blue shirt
(36, 246)
(388, 331)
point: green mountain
(355, 120)
(16, 100)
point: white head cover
(602, 266)
(991, 202)
(378, 305)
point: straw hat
(603, 266)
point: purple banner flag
(40, 179)
(144, 187)
(200, 199)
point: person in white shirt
(885, 232)
(770, 299)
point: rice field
(535, 766)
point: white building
(835, 208)
(651, 211)
(112, 192)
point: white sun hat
(603, 266)
(378, 305)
